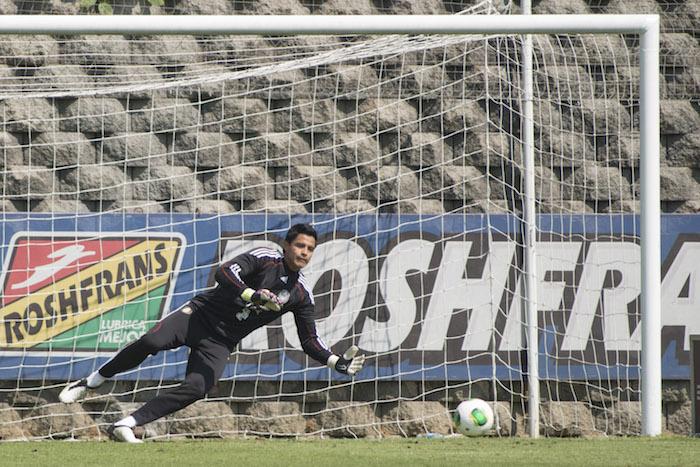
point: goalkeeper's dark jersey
(223, 309)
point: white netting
(403, 151)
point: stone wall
(42, 171)
(412, 408)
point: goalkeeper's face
(298, 252)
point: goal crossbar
(329, 24)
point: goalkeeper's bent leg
(204, 368)
(192, 389)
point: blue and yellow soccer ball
(473, 417)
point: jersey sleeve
(312, 344)
(230, 275)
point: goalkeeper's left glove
(262, 297)
(348, 364)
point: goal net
(133, 165)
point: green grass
(360, 452)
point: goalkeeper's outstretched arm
(348, 364)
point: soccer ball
(473, 417)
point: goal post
(361, 175)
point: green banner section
(114, 328)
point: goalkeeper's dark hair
(297, 229)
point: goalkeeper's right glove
(348, 364)
(262, 297)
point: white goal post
(646, 27)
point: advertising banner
(425, 297)
(95, 293)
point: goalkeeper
(253, 289)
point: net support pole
(530, 235)
(650, 230)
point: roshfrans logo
(84, 292)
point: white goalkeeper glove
(262, 297)
(348, 364)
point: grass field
(676, 451)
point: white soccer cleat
(73, 391)
(126, 434)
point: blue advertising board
(425, 297)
